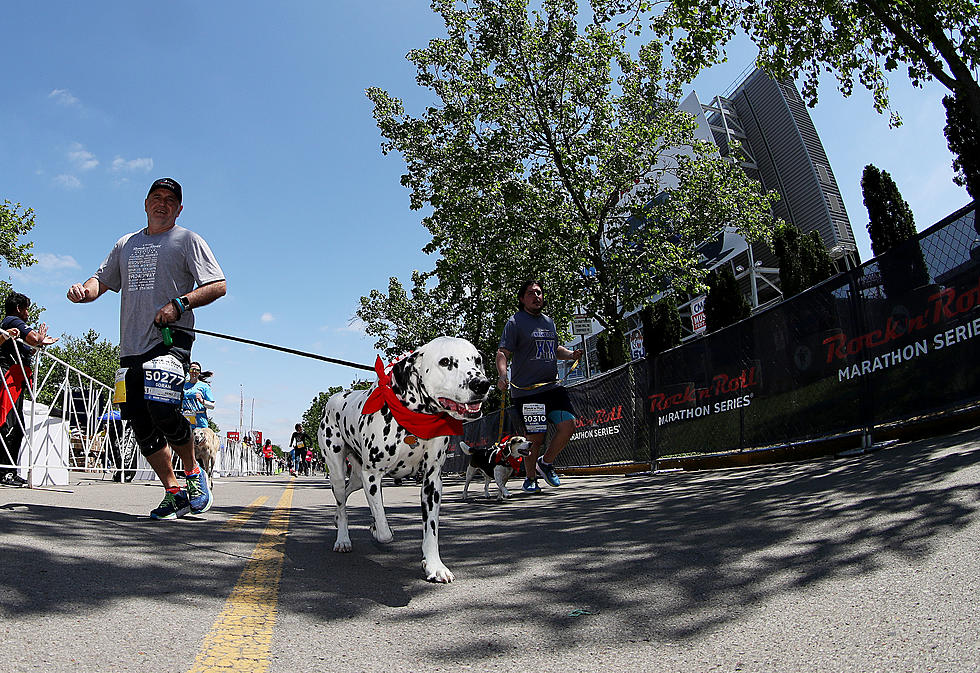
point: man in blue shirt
(530, 341)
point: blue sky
(259, 111)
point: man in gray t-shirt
(161, 273)
(530, 342)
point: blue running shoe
(531, 486)
(172, 506)
(198, 492)
(548, 472)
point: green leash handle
(168, 337)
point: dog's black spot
(374, 489)
(432, 524)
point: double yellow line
(241, 637)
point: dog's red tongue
(423, 426)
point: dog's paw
(437, 573)
(342, 546)
(383, 539)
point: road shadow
(667, 558)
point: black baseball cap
(168, 183)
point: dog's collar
(423, 426)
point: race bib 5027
(163, 379)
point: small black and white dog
(500, 462)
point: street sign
(233, 436)
(698, 321)
(581, 325)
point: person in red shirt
(268, 454)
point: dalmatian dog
(500, 462)
(440, 384)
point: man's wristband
(181, 304)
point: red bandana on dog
(423, 426)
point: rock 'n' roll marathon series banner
(890, 340)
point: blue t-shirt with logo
(533, 341)
(190, 406)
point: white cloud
(47, 261)
(68, 181)
(144, 164)
(267, 317)
(63, 97)
(81, 157)
(51, 270)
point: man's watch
(181, 304)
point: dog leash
(548, 383)
(168, 340)
(503, 396)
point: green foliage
(803, 260)
(314, 414)
(14, 223)
(90, 354)
(963, 138)
(856, 40)
(890, 220)
(542, 141)
(890, 224)
(214, 426)
(661, 326)
(725, 304)
(610, 350)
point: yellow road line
(242, 517)
(241, 637)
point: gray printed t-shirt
(533, 341)
(149, 271)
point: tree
(891, 223)
(314, 414)
(856, 40)
(963, 138)
(610, 351)
(803, 260)
(890, 220)
(541, 144)
(90, 354)
(15, 221)
(725, 304)
(401, 322)
(661, 326)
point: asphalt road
(860, 564)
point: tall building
(777, 145)
(780, 147)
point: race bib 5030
(535, 419)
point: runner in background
(198, 397)
(298, 441)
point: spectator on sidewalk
(15, 359)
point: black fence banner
(894, 339)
